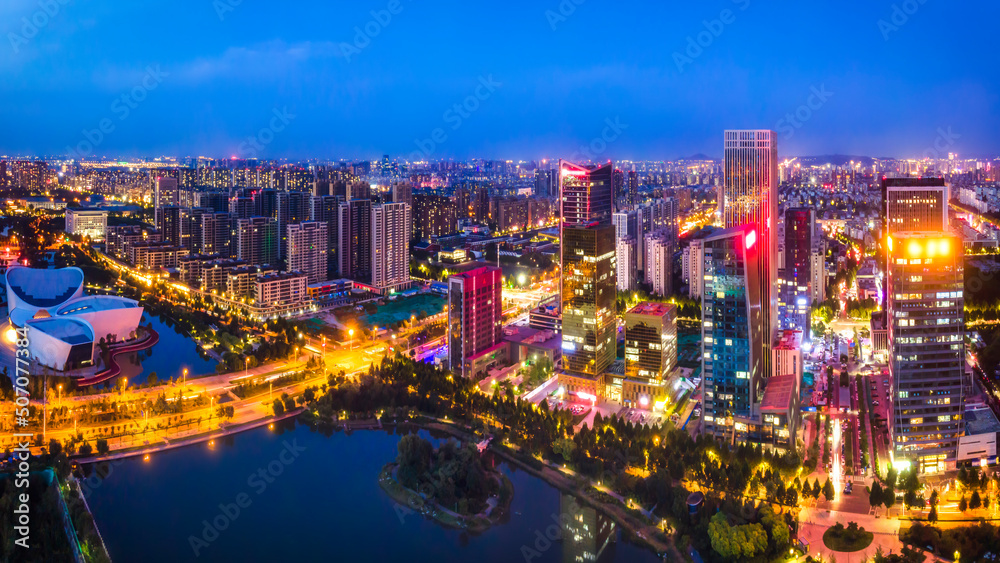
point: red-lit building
(475, 321)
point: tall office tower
(391, 224)
(293, 208)
(475, 320)
(927, 360)
(216, 234)
(650, 354)
(257, 240)
(749, 196)
(587, 193)
(165, 193)
(914, 205)
(307, 249)
(632, 196)
(354, 241)
(325, 210)
(169, 223)
(265, 203)
(659, 250)
(800, 225)
(588, 306)
(402, 192)
(621, 195)
(732, 334)
(626, 249)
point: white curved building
(64, 325)
(30, 291)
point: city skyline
(685, 73)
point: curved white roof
(44, 288)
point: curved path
(113, 369)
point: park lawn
(847, 542)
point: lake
(294, 493)
(168, 358)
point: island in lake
(450, 484)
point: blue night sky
(223, 77)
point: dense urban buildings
(307, 250)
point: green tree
(565, 447)
(279, 407)
(828, 491)
(963, 504)
(736, 542)
(86, 449)
(932, 516)
(102, 446)
(976, 501)
(875, 494)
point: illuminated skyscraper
(588, 276)
(733, 363)
(391, 225)
(588, 306)
(307, 249)
(914, 205)
(587, 193)
(749, 197)
(927, 360)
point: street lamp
(350, 332)
(185, 377)
(246, 366)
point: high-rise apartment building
(749, 198)
(354, 240)
(257, 240)
(165, 192)
(633, 189)
(325, 210)
(926, 340)
(626, 250)
(217, 234)
(433, 216)
(307, 249)
(391, 224)
(650, 354)
(475, 321)
(732, 332)
(169, 222)
(659, 252)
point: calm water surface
(324, 504)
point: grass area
(849, 539)
(421, 306)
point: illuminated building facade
(749, 197)
(650, 354)
(733, 347)
(589, 299)
(800, 224)
(927, 360)
(475, 318)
